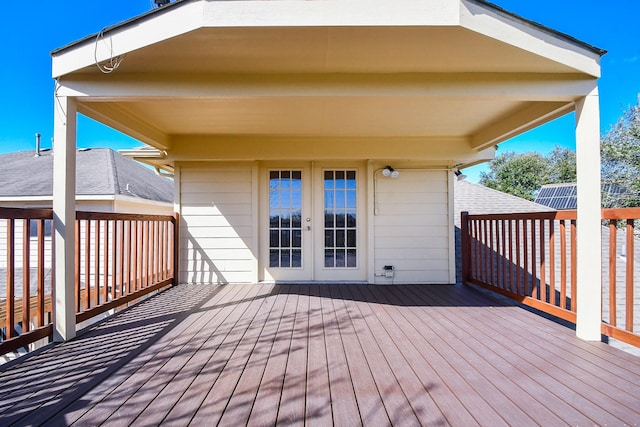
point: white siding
(411, 228)
(217, 237)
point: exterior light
(460, 176)
(389, 171)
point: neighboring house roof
(99, 172)
(478, 199)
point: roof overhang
(334, 69)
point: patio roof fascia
(188, 15)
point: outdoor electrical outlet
(388, 271)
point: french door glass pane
(340, 219)
(285, 219)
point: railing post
(176, 248)
(465, 246)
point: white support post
(589, 286)
(64, 216)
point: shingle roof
(99, 171)
(478, 199)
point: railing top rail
(120, 216)
(553, 215)
(28, 213)
(619, 213)
(622, 213)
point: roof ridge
(114, 172)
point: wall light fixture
(389, 171)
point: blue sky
(30, 30)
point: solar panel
(559, 197)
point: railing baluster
(145, 257)
(518, 265)
(476, 249)
(87, 265)
(11, 294)
(542, 288)
(41, 267)
(563, 264)
(114, 259)
(613, 246)
(490, 249)
(629, 276)
(535, 287)
(96, 263)
(552, 263)
(509, 259)
(123, 257)
(78, 258)
(525, 253)
(574, 267)
(105, 265)
(130, 258)
(505, 284)
(26, 275)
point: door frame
(313, 240)
(321, 273)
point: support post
(589, 274)
(64, 216)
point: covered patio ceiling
(429, 70)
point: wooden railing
(119, 259)
(27, 282)
(532, 258)
(621, 293)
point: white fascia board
(141, 201)
(134, 35)
(329, 13)
(528, 37)
(95, 197)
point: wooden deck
(324, 355)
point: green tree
(517, 174)
(523, 174)
(562, 167)
(620, 152)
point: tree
(523, 174)
(620, 152)
(562, 167)
(517, 174)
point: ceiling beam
(533, 115)
(126, 123)
(446, 150)
(506, 86)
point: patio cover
(443, 81)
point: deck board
(323, 355)
(318, 396)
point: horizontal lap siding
(411, 227)
(216, 232)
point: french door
(312, 224)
